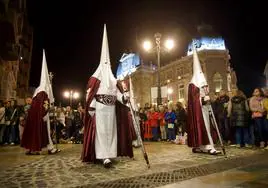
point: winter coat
(238, 111)
(221, 106)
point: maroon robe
(196, 130)
(123, 118)
(35, 135)
(124, 140)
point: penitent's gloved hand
(126, 96)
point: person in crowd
(69, 118)
(78, 125)
(180, 119)
(2, 121)
(220, 109)
(170, 118)
(59, 120)
(238, 111)
(14, 120)
(147, 127)
(162, 123)
(257, 114)
(23, 116)
(8, 115)
(265, 105)
(143, 119)
(153, 121)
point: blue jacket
(170, 117)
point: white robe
(106, 127)
(205, 112)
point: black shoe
(32, 153)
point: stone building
(15, 49)
(176, 75)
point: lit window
(181, 92)
(217, 80)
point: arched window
(217, 80)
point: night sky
(71, 33)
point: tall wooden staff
(139, 135)
(137, 129)
(54, 119)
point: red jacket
(161, 116)
(153, 119)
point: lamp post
(71, 95)
(158, 48)
(169, 44)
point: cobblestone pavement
(66, 170)
(253, 175)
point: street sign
(128, 64)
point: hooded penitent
(104, 137)
(45, 84)
(36, 135)
(197, 134)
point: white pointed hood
(198, 78)
(104, 71)
(45, 84)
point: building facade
(142, 81)
(16, 39)
(175, 77)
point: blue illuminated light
(207, 43)
(128, 64)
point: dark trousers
(171, 134)
(224, 128)
(259, 129)
(251, 132)
(241, 135)
(266, 130)
(59, 128)
(13, 134)
(2, 133)
(10, 134)
(155, 133)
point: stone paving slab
(66, 170)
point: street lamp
(168, 45)
(71, 95)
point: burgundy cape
(124, 130)
(35, 135)
(196, 129)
